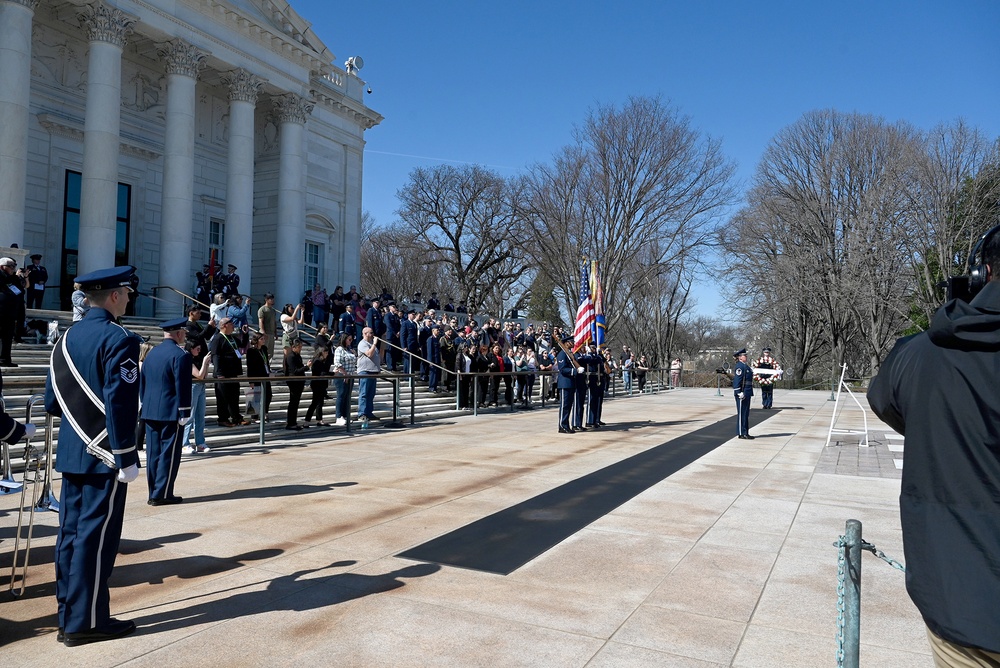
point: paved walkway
(284, 555)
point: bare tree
(638, 177)
(831, 192)
(954, 201)
(466, 220)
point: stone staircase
(28, 379)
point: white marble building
(149, 132)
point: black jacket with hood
(941, 389)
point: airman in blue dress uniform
(165, 390)
(743, 390)
(566, 384)
(93, 384)
(586, 361)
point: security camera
(369, 90)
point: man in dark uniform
(38, 276)
(227, 362)
(391, 336)
(595, 369)
(566, 384)
(408, 339)
(761, 368)
(743, 390)
(165, 390)
(585, 360)
(231, 282)
(11, 307)
(93, 384)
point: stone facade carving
(30, 4)
(107, 24)
(55, 61)
(182, 58)
(292, 108)
(243, 86)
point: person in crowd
(320, 383)
(676, 369)
(764, 363)
(434, 357)
(374, 319)
(464, 365)
(291, 317)
(195, 329)
(80, 303)
(165, 394)
(37, 277)
(200, 360)
(258, 366)
(320, 302)
(368, 365)
(293, 368)
(307, 306)
(227, 366)
(345, 364)
(503, 366)
(267, 322)
(96, 358)
(217, 309)
(322, 336)
(743, 390)
(628, 366)
(239, 312)
(337, 301)
(432, 302)
(641, 367)
(482, 365)
(423, 334)
(449, 356)
(937, 389)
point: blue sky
(503, 83)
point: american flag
(585, 316)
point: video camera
(976, 274)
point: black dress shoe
(565, 431)
(167, 501)
(60, 636)
(602, 423)
(116, 628)
(741, 437)
(589, 425)
(749, 437)
(8, 363)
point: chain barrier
(842, 546)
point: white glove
(739, 395)
(128, 474)
(29, 430)
(183, 421)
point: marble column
(183, 62)
(15, 93)
(108, 29)
(292, 111)
(243, 90)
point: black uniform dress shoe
(741, 437)
(601, 424)
(579, 429)
(60, 636)
(8, 363)
(116, 628)
(565, 431)
(167, 501)
(589, 425)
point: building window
(216, 237)
(312, 268)
(71, 231)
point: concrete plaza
(286, 554)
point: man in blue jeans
(368, 368)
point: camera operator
(238, 310)
(937, 388)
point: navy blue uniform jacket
(165, 383)
(107, 356)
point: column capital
(292, 108)
(30, 4)
(243, 86)
(182, 58)
(107, 24)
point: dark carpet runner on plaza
(505, 541)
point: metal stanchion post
(852, 595)
(265, 387)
